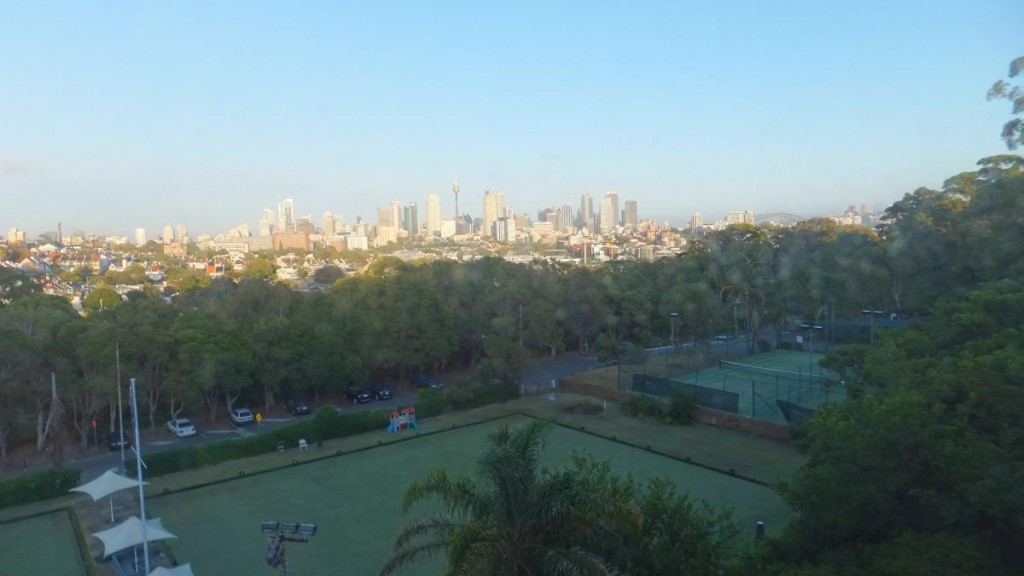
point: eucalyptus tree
(39, 318)
(1013, 130)
(146, 347)
(87, 370)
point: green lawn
(355, 499)
(41, 545)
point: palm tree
(518, 519)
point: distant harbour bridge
(781, 218)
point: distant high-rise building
(631, 220)
(586, 219)
(385, 217)
(607, 216)
(286, 216)
(182, 233)
(563, 218)
(696, 222)
(167, 236)
(494, 204)
(745, 217)
(433, 215)
(140, 236)
(412, 219)
(330, 225)
(505, 229)
(267, 223)
(396, 214)
(614, 197)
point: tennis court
(761, 381)
(39, 545)
(356, 501)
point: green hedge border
(37, 487)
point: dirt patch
(582, 408)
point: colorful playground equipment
(403, 420)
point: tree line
(250, 339)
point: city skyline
(203, 115)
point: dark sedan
(298, 407)
(358, 394)
(382, 392)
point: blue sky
(117, 115)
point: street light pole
(672, 321)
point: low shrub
(680, 410)
(39, 486)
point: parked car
(181, 427)
(381, 392)
(242, 416)
(115, 440)
(298, 407)
(424, 380)
(358, 394)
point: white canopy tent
(130, 533)
(108, 483)
(183, 570)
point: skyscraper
(494, 205)
(607, 216)
(267, 223)
(286, 216)
(433, 215)
(168, 235)
(614, 198)
(396, 214)
(586, 212)
(696, 222)
(140, 236)
(631, 219)
(412, 219)
(329, 225)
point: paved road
(538, 373)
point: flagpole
(138, 473)
(120, 411)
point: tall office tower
(385, 217)
(631, 220)
(614, 197)
(182, 233)
(140, 236)
(267, 223)
(586, 211)
(396, 213)
(412, 219)
(330, 225)
(865, 209)
(696, 222)
(494, 204)
(168, 235)
(433, 215)
(607, 216)
(286, 216)
(563, 219)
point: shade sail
(129, 533)
(183, 570)
(106, 484)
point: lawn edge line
(682, 459)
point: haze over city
(117, 117)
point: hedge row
(327, 424)
(39, 486)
